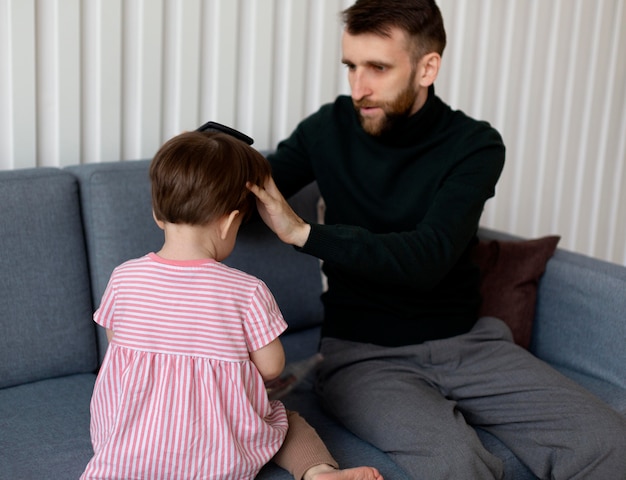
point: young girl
(181, 390)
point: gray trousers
(417, 403)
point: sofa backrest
(119, 226)
(117, 215)
(45, 298)
(580, 321)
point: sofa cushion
(44, 428)
(116, 205)
(45, 298)
(510, 273)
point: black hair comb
(218, 127)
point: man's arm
(420, 257)
(419, 254)
(278, 214)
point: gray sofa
(62, 231)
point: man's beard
(394, 111)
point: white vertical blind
(6, 84)
(108, 80)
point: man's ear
(226, 223)
(428, 69)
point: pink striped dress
(177, 396)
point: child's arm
(109, 334)
(269, 360)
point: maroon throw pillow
(510, 273)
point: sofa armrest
(580, 321)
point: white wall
(105, 80)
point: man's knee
(605, 453)
(596, 453)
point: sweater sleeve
(422, 257)
(291, 162)
(105, 314)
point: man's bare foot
(326, 472)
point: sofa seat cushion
(45, 297)
(44, 428)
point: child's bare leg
(305, 456)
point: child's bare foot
(326, 472)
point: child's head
(198, 177)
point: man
(408, 366)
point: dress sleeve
(105, 313)
(264, 321)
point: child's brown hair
(197, 177)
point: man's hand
(278, 214)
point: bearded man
(408, 365)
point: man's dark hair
(420, 19)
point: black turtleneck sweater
(402, 211)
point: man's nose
(359, 85)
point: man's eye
(379, 68)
